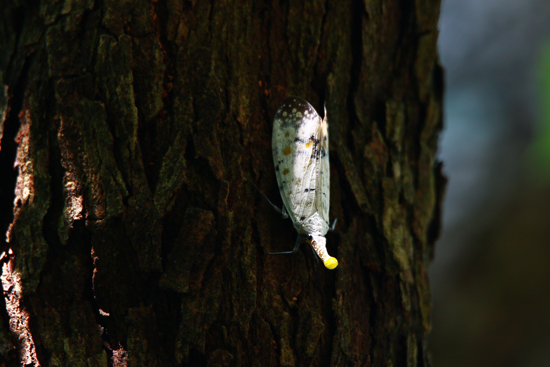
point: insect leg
(277, 209)
(296, 247)
(315, 256)
(317, 270)
(284, 213)
(333, 225)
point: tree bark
(134, 235)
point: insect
(300, 155)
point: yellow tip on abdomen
(331, 263)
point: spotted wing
(297, 130)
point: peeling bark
(134, 231)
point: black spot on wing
(316, 154)
(308, 190)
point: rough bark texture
(136, 128)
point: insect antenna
(277, 209)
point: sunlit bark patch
(24, 190)
(74, 205)
(120, 357)
(19, 317)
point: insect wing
(322, 188)
(297, 132)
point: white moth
(300, 155)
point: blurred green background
(491, 273)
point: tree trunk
(134, 235)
